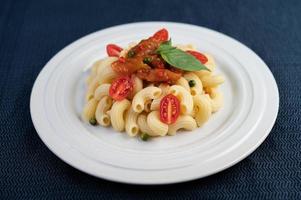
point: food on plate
(152, 88)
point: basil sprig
(179, 59)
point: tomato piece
(169, 109)
(161, 35)
(201, 57)
(121, 88)
(113, 50)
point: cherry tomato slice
(161, 35)
(121, 88)
(113, 50)
(169, 109)
(201, 57)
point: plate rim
(225, 166)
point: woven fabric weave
(32, 31)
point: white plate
(250, 110)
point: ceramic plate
(250, 109)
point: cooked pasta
(155, 104)
(143, 126)
(139, 91)
(91, 88)
(104, 64)
(138, 85)
(155, 124)
(197, 87)
(212, 81)
(142, 96)
(90, 79)
(100, 114)
(202, 109)
(131, 126)
(117, 114)
(147, 105)
(184, 83)
(106, 75)
(89, 110)
(183, 122)
(164, 87)
(216, 98)
(96, 65)
(185, 98)
(101, 73)
(101, 91)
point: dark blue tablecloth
(32, 31)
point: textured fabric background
(31, 32)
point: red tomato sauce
(143, 61)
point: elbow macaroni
(104, 64)
(157, 127)
(117, 114)
(216, 99)
(89, 110)
(185, 98)
(184, 83)
(140, 111)
(101, 91)
(183, 122)
(198, 87)
(138, 85)
(91, 88)
(155, 104)
(131, 126)
(212, 81)
(142, 123)
(106, 75)
(142, 96)
(100, 114)
(202, 109)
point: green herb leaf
(179, 59)
(165, 46)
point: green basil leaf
(182, 60)
(164, 47)
(179, 59)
